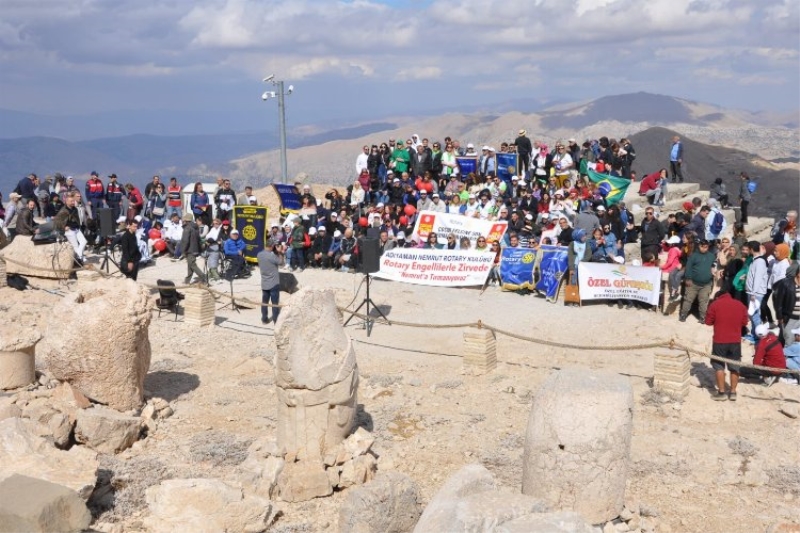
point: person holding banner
(579, 250)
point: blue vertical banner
(516, 268)
(289, 196)
(251, 221)
(506, 166)
(467, 165)
(551, 269)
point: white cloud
(419, 73)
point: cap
(491, 149)
(306, 186)
(335, 215)
(390, 171)
(558, 192)
(470, 145)
(522, 132)
(471, 196)
(423, 191)
(312, 231)
(234, 231)
(396, 180)
(528, 217)
(514, 178)
(226, 222)
(688, 206)
(600, 207)
(380, 204)
(113, 176)
(337, 233)
(762, 330)
(15, 195)
(435, 195)
(94, 173)
(402, 236)
(674, 240)
(545, 216)
(485, 147)
(619, 259)
(321, 228)
(571, 140)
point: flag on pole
(611, 187)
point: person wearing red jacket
(769, 352)
(654, 187)
(728, 317)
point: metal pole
(282, 118)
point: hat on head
(674, 240)
(337, 233)
(423, 191)
(688, 206)
(322, 228)
(435, 195)
(762, 330)
(138, 218)
(235, 231)
(491, 149)
(571, 140)
(522, 132)
(94, 173)
(390, 171)
(600, 207)
(113, 176)
(578, 234)
(528, 217)
(401, 236)
(335, 215)
(14, 195)
(187, 217)
(396, 180)
(545, 216)
(312, 230)
(380, 204)
(226, 222)
(471, 197)
(514, 178)
(470, 145)
(306, 186)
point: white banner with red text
(441, 268)
(607, 281)
(444, 224)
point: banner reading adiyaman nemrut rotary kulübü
(441, 268)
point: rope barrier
(669, 344)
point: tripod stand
(232, 304)
(367, 301)
(107, 257)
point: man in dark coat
(131, 255)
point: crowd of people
(547, 201)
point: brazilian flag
(611, 187)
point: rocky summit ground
(697, 465)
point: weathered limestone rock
(303, 480)
(3, 275)
(53, 261)
(106, 430)
(441, 510)
(389, 503)
(262, 468)
(8, 409)
(560, 522)
(316, 375)
(204, 506)
(198, 307)
(577, 444)
(357, 471)
(480, 350)
(36, 505)
(24, 451)
(70, 397)
(485, 511)
(17, 360)
(100, 343)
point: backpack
(752, 186)
(717, 223)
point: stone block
(198, 307)
(204, 506)
(441, 510)
(3, 275)
(389, 504)
(577, 443)
(24, 451)
(358, 471)
(480, 350)
(106, 430)
(557, 522)
(17, 357)
(35, 505)
(110, 364)
(54, 261)
(302, 481)
(672, 371)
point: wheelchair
(226, 268)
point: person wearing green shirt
(400, 158)
(699, 280)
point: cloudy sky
(370, 59)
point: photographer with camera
(270, 259)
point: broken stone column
(54, 261)
(3, 275)
(99, 343)
(198, 307)
(480, 350)
(17, 357)
(316, 378)
(671, 372)
(577, 444)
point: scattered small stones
(785, 479)
(741, 446)
(218, 448)
(449, 384)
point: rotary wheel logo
(528, 258)
(249, 233)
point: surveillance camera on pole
(279, 94)
(290, 89)
(269, 78)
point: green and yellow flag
(611, 187)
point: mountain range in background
(764, 144)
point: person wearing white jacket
(711, 234)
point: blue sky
(362, 60)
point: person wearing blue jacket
(234, 250)
(676, 160)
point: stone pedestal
(671, 372)
(17, 359)
(3, 282)
(198, 307)
(480, 350)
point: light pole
(281, 117)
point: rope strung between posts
(669, 344)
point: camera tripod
(107, 257)
(368, 302)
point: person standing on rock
(676, 160)
(131, 255)
(270, 259)
(744, 196)
(190, 247)
(728, 316)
